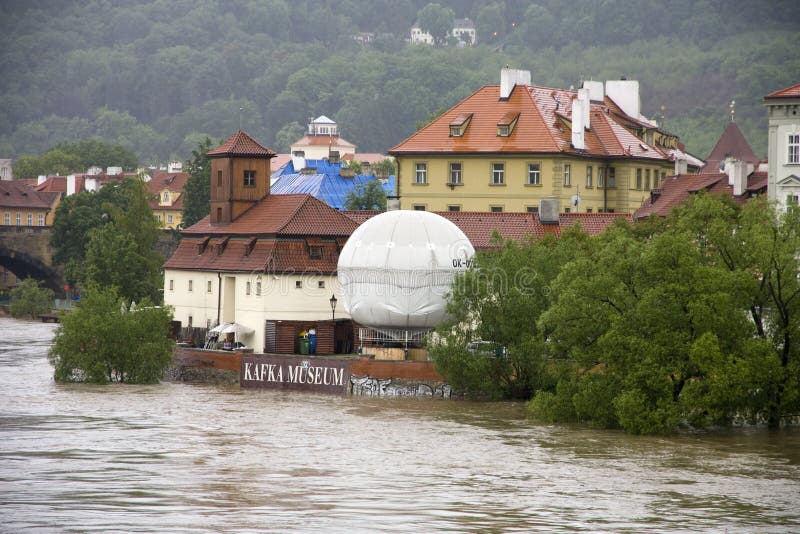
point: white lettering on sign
(304, 373)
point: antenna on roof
(732, 107)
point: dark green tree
(366, 196)
(29, 299)
(494, 309)
(105, 340)
(437, 21)
(197, 192)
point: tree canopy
(366, 196)
(153, 76)
(108, 238)
(197, 191)
(106, 339)
(694, 321)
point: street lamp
(333, 307)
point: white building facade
(783, 109)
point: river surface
(201, 458)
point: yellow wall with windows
(38, 217)
(477, 190)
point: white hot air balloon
(396, 269)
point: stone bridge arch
(26, 251)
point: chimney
(70, 184)
(681, 166)
(548, 211)
(737, 172)
(509, 78)
(596, 93)
(625, 93)
(392, 203)
(583, 95)
(577, 124)
(41, 179)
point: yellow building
(507, 147)
(166, 191)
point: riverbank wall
(350, 375)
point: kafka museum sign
(297, 373)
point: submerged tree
(104, 340)
(28, 298)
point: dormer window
(505, 126)
(315, 252)
(165, 197)
(459, 125)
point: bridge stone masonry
(26, 252)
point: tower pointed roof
(731, 144)
(241, 144)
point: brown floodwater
(202, 458)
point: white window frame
(567, 175)
(420, 173)
(29, 219)
(589, 176)
(793, 148)
(498, 173)
(41, 219)
(456, 174)
(534, 174)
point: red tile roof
(241, 144)
(731, 144)
(675, 190)
(792, 91)
(479, 227)
(282, 215)
(18, 195)
(172, 181)
(254, 256)
(542, 127)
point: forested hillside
(158, 76)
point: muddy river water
(200, 458)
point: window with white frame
(498, 173)
(638, 178)
(588, 176)
(567, 172)
(455, 173)
(7, 219)
(793, 148)
(421, 173)
(647, 179)
(249, 178)
(601, 177)
(18, 219)
(169, 219)
(30, 219)
(41, 219)
(534, 174)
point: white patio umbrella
(236, 329)
(218, 329)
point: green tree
(696, 324)
(53, 161)
(384, 168)
(197, 192)
(494, 309)
(28, 298)
(437, 21)
(103, 340)
(288, 135)
(75, 217)
(366, 196)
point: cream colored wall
(23, 213)
(783, 120)
(478, 193)
(322, 151)
(280, 299)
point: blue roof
(327, 184)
